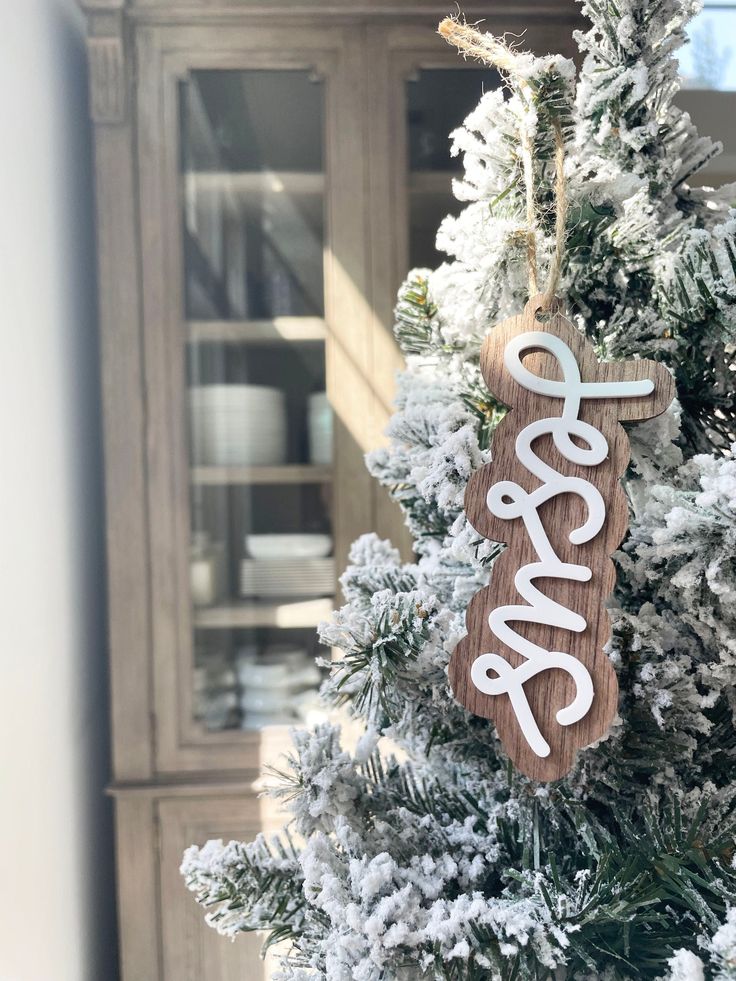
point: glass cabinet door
(437, 101)
(274, 234)
(262, 572)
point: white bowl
(288, 546)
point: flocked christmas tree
(450, 864)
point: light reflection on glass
(709, 60)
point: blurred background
(209, 205)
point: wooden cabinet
(265, 177)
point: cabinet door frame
(163, 934)
(190, 949)
(165, 55)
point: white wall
(56, 885)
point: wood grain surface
(552, 690)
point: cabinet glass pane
(252, 162)
(260, 427)
(437, 100)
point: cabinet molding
(107, 86)
(118, 260)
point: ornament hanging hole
(581, 442)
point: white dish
(296, 579)
(308, 677)
(242, 456)
(285, 590)
(286, 654)
(319, 426)
(273, 568)
(238, 450)
(250, 429)
(255, 569)
(304, 570)
(282, 592)
(265, 702)
(254, 580)
(276, 577)
(256, 720)
(237, 425)
(214, 681)
(267, 547)
(298, 562)
(320, 449)
(233, 393)
(237, 404)
(265, 675)
(259, 422)
(278, 680)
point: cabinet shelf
(264, 613)
(280, 329)
(293, 473)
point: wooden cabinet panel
(163, 934)
(191, 950)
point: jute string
(498, 54)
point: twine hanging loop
(496, 53)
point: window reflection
(253, 194)
(709, 60)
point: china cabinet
(266, 173)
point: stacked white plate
(237, 425)
(287, 577)
(319, 423)
(273, 689)
(215, 691)
(307, 545)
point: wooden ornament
(533, 658)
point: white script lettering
(507, 500)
